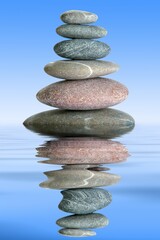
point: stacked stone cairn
(83, 88)
(83, 99)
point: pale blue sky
(28, 35)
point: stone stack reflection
(81, 177)
(83, 124)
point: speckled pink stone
(82, 151)
(87, 94)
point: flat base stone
(106, 123)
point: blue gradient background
(28, 35)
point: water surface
(29, 212)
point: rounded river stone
(70, 232)
(81, 31)
(107, 123)
(84, 201)
(65, 179)
(83, 151)
(93, 220)
(78, 17)
(83, 49)
(75, 70)
(88, 94)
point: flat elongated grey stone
(78, 17)
(75, 70)
(106, 123)
(82, 151)
(84, 201)
(83, 49)
(70, 232)
(93, 220)
(96, 93)
(68, 179)
(81, 31)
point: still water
(28, 211)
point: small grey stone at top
(81, 31)
(78, 17)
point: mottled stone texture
(84, 201)
(93, 220)
(70, 232)
(81, 31)
(75, 70)
(78, 17)
(83, 49)
(106, 123)
(88, 94)
(83, 151)
(65, 179)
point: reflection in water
(84, 200)
(94, 167)
(83, 221)
(82, 147)
(82, 151)
(76, 232)
(80, 178)
(64, 179)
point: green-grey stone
(107, 123)
(84, 201)
(78, 17)
(68, 179)
(82, 49)
(70, 232)
(93, 220)
(81, 31)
